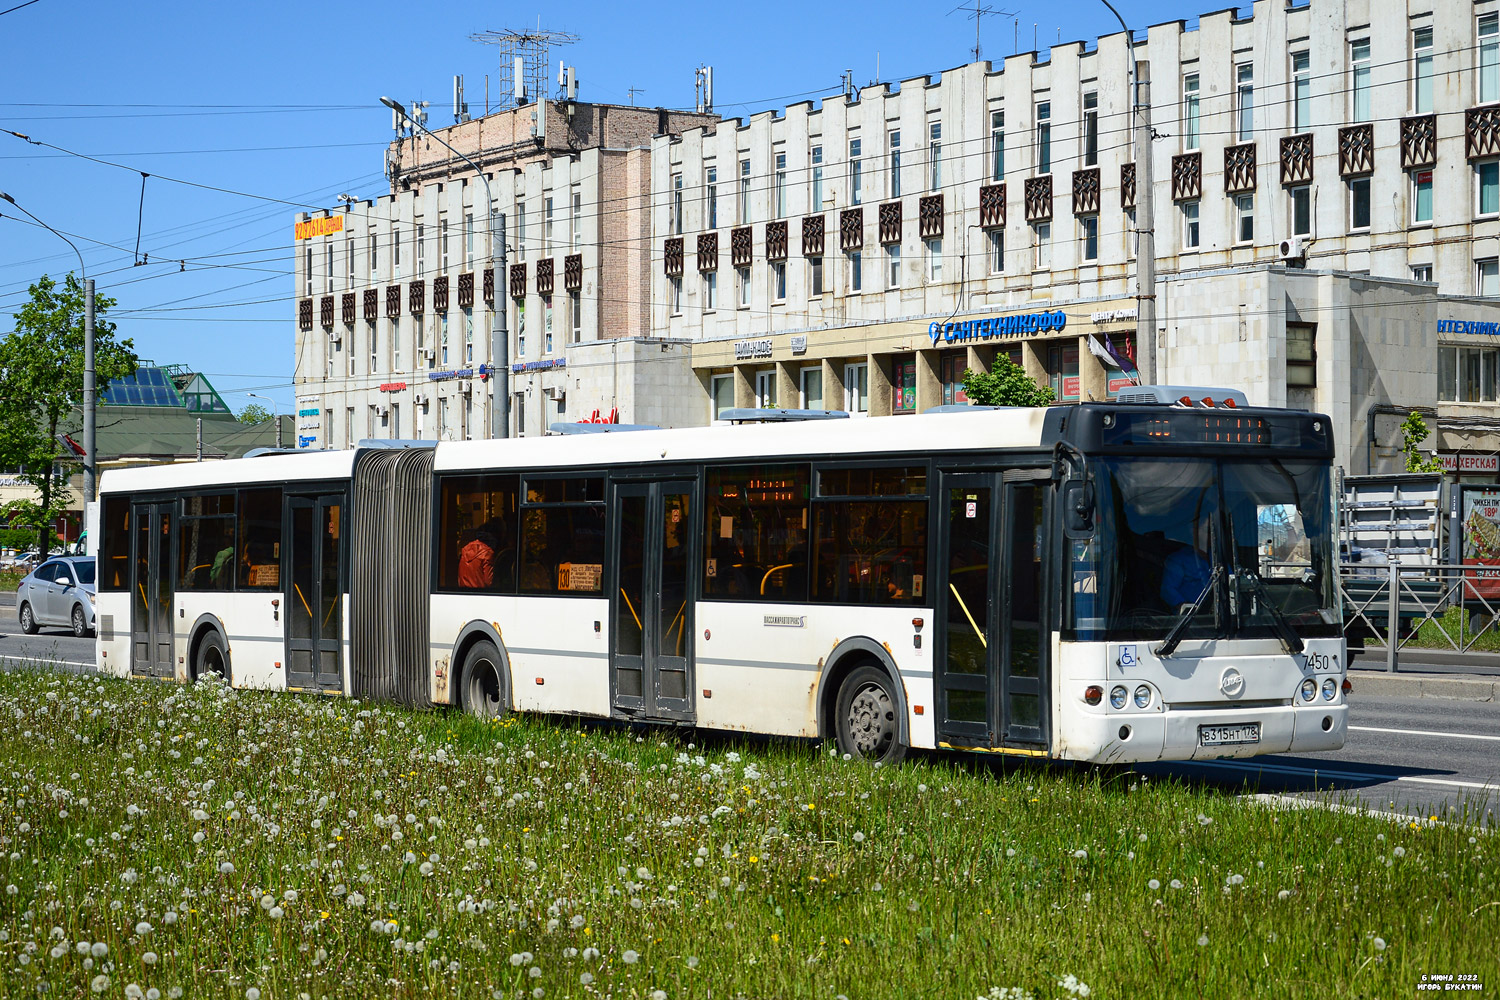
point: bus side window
(477, 534)
(562, 536)
(755, 533)
(260, 539)
(114, 546)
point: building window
(374, 252)
(395, 345)
(1190, 112)
(575, 315)
(469, 239)
(1489, 58)
(1359, 203)
(1044, 137)
(1421, 272)
(468, 335)
(674, 294)
(856, 273)
(893, 145)
(443, 241)
(742, 278)
(893, 266)
(674, 222)
(1467, 374)
(443, 337)
(816, 155)
(765, 389)
(1421, 196)
(1487, 177)
(577, 220)
(810, 386)
(1244, 107)
(307, 270)
(328, 265)
(856, 173)
(1088, 235)
(1131, 236)
(1062, 370)
(1244, 216)
(711, 196)
(815, 275)
(374, 347)
(995, 249)
(520, 328)
(421, 254)
(1301, 92)
(954, 364)
(1301, 202)
(721, 394)
(1091, 128)
(710, 291)
(904, 387)
(857, 389)
(778, 281)
(395, 252)
(934, 155)
(1301, 355)
(1487, 276)
(520, 231)
(997, 146)
(1041, 238)
(349, 263)
(934, 260)
(780, 186)
(744, 192)
(1189, 225)
(1359, 80)
(1421, 70)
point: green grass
(720, 871)
(1428, 636)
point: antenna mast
(978, 12)
(525, 61)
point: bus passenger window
(114, 546)
(870, 551)
(259, 541)
(477, 534)
(562, 540)
(755, 533)
(205, 543)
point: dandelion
(662, 994)
(425, 868)
(1379, 944)
(149, 957)
(859, 837)
(584, 979)
(590, 953)
(1081, 855)
(1153, 885)
(99, 949)
(1204, 820)
(630, 957)
(252, 994)
(276, 913)
(1176, 884)
(1202, 940)
(692, 961)
(143, 928)
(1399, 852)
(225, 868)
(99, 984)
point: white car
(61, 591)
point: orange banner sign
(320, 227)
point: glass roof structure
(149, 386)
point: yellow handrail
(632, 609)
(304, 601)
(768, 575)
(972, 623)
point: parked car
(22, 561)
(61, 591)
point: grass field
(161, 842)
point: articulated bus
(1114, 582)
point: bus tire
(212, 657)
(482, 690)
(865, 722)
(28, 619)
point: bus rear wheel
(865, 723)
(212, 658)
(483, 693)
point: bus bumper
(1124, 737)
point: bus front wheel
(212, 658)
(483, 692)
(865, 719)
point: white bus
(1105, 582)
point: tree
(255, 414)
(1007, 384)
(41, 382)
(1413, 433)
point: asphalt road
(1415, 756)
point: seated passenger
(1186, 572)
(476, 563)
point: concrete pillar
(788, 385)
(981, 357)
(744, 386)
(929, 380)
(1093, 378)
(880, 384)
(1034, 360)
(833, 384)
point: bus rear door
(314, 595)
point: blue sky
(280, 100)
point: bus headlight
(1330, 688)
(1142, 696)
(1117, 696)
(1309, 689)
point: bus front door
(650, 612)
(314, 596)
(151, 647)
(991, 669)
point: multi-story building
(397, 296)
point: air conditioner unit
(556, 392)
(420, 399)
(465, 387)
(382, 411)
(427, 352)
(1292, 248)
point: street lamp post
(275, 413)
(499, 340)
(90, 463)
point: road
(1415, 756)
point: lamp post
(275, 413)
(90, 463)
(499, 341)
(1145, 254)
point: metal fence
(1393, 602)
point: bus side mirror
(1078, 508)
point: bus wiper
(1169, 644)
(1290, 640)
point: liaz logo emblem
(1232, 683)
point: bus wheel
(212, 658)
(482, 693)
(865, 717)
(28, 620)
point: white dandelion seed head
(1081, 854)
(252, 994)
(692, 961)
(1379, 944)
(1176, 884)
(662, 994)
(859, 837)
(276, 913)
(100, 983)
(143, 928)
(169, 917)
(1153, 885)
(590, 953)
(1202, 940)
(630, 957)
(584, 979)
(516, 960)
(226, 868)
(290, 895)
(99, 949)
(134, 992)
(148, 957)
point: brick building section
(624, 289)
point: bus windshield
(1240, 549)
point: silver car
(58, 592)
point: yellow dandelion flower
(775, 938)
(322, 914)
(754, 859)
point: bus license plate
(1221, 736)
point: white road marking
(1424, 732)
(1296, 802)
(32, 660)
(1341, 775)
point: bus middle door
(152, 643)
(314, 595)
(650, 609)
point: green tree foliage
(41, 382)
(255, 414)
(1413, 433)
(1006, 384)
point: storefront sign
(1113, 315)
(320, 227)
(392, 386)
(995, 326)
(744, 350)
(1462, 463)
(799, 344)
(1465, 326)
(309, 411)
(306, 440)
(1481, 542)
(1070, 386)
(539, 366)
(309, 425)
(459, 373)
(1120, 382)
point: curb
(1383, 685)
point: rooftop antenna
(460, 106)
(525, 60)
(977, 13)
(704, 84)
(633, 91)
